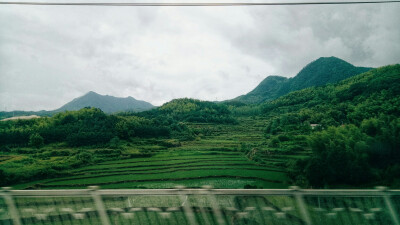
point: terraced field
(168, 170)
(215, 157)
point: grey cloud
(50, 55)
(289, 37)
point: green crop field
(220, 158)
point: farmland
(219, 158)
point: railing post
(214, 205)
(389, 205)
(302, 206)
(12, 209)
(101, 210)
(186, 206)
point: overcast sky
(52, 54)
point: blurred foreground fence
(199, 206)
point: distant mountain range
(106, 103)
(319, 72)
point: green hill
(319, 72)
(192, 110)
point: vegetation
(192, 110)
(338, 135)
(356, 139)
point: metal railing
(199, 206)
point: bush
(274, 142)
(5, 148)
(170, 143)
(35, 140)
(284, 137)
(114, 142)
(249, 186)
(85, 157)
(295, 148)
(88, 138)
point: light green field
(216, 158)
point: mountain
(106, 103)
(322, 71)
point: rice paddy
(215, 157)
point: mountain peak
(324, 70)
(331, 58)
(91, 93)
(106, 103)
(319, 72)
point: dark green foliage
(85, 138)
(36, 140)
(340, 155)
(88, 126)
(355, 137)
(326, 105)
(85, 157)
(114, 142)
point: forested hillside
(356, 132)
(91, 126)
(322, 71)
(192, 110)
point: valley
(343, 134)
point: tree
(340, 156)
(35, 140)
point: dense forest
(356, 132)
(91, 126)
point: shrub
(35, 140)
(114, 142)
(85, 157)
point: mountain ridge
(321, 71)
(107, 103)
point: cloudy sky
(52, 54)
